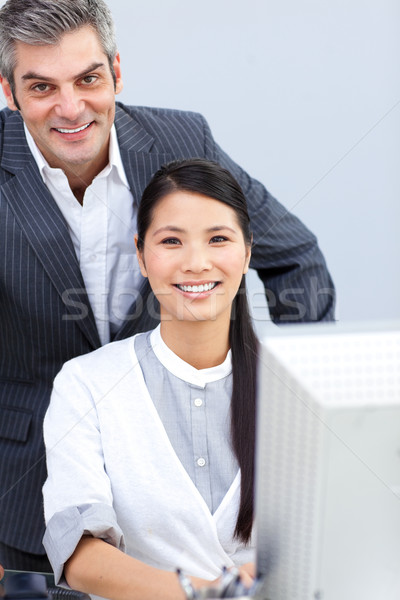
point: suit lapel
(44, 226)
(135, 144)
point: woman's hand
(247, 574)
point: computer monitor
(328, 463)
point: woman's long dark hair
(210, 179)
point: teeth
(73, 130)
(197, 288)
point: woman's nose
(196, 260)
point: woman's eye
(217, 239)
(171, 241)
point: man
(73, 167)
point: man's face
(66, 96)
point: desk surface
(57, 593)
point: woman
(150, 440)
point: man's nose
(69, 104)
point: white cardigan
(106, 445)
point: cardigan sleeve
(77, 493)
(66, 528)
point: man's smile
(77, 130)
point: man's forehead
(76, 53)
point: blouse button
(198, 402)
(201, 462)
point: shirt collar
(182, 369)
(114, 154)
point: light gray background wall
(305, 94)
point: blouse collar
(182, 369)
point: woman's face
(194, 255)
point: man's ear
(118, 77)
(139, 254)
(8, 93)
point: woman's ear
(139, 254)
(248, 257)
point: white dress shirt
(102, 231)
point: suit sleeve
(285, 253)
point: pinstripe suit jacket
(45, 315)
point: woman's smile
(197, 288)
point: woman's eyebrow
(172, 228)
(219, 228)
(176, 229)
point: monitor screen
(328, 463)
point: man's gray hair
(43, 22)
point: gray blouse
(196, 419)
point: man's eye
(89, 79)
(41, 87)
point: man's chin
(70, 159)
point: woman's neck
(202, 344)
